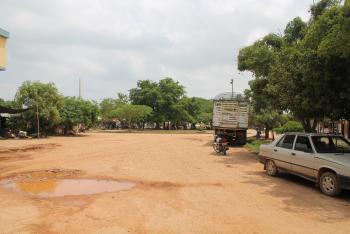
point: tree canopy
(305, 71)
(132, 113)
(78, 111)
(44, 97)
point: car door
(282, 152)
(303, 157)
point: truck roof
(229, 96)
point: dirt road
(181, 186)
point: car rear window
(286, 142)
(330, 144)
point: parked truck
(230, 118)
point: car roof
(310, 134)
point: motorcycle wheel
(216, 148)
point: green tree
(270, 120)
(107, 105)
(308, 74)
(44, 97)
(199, 110)
(162, 97)
(148, 93)
(290, 126)
(6, 103)
(78, 111)
(132, 113)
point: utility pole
(37, 116)
(79, 88)
(231, 82)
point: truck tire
(241, 137)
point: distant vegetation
(302, 74)
(290, 126)
(253, 145)
(159, 105)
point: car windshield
(331, 144)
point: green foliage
(308, 74)
(254, 145)
(132, 113)
(46, 98)
(107, 105)
(148, 93)
(320, 7)
(7, 103)
(168, 103)
(78, 111)
(290, 126)
(295, 30)
(163, 97)
(259, 57)
(269, 119)
(200, 110)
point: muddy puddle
(65, 187)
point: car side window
(286, 142)
(303, 144)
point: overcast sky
(110, 44)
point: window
(286, 142)
(331, 144)
(303, 144)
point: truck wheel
(329, 184)
(271, 169)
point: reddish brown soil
(181, 187)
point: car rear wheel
(329, 184)
(271, 169)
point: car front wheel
(329, 184)
(271, 169)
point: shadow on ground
(237, 156)
(300, 195)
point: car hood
(342, 159)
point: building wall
(341, 126)
(2, 53)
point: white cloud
(111, 44)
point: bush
(254, 145)
(290, 126)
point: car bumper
(344, 181)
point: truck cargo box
(230, 111)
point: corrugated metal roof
(4, 109)
(4, 33)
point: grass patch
(253, 145)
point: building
(342, 127)
(3, 38)
(5, 114)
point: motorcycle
(220, 145)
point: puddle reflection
(66, 187)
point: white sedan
(324, 159)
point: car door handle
(293, 154)
(275, 150)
